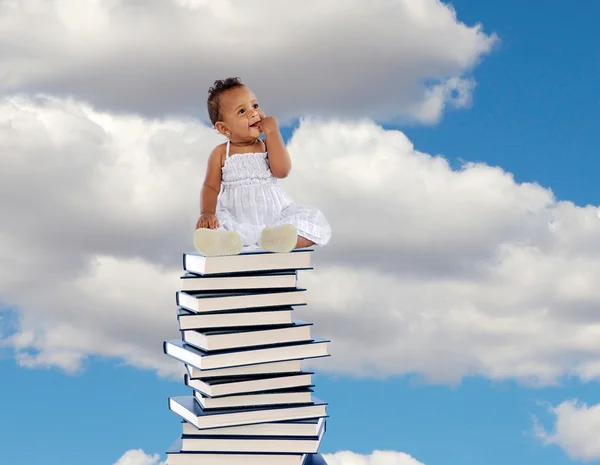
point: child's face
(240, 113)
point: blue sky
(535, 108)
(535, 113)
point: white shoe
(279, 239)
(217, 242)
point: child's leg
(311, 226)
(303, 242)
(297, 227)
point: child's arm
(211, 188)
(279, 158)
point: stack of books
(250, 401)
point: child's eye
(241, 111)
(255, 105)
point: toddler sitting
(242, 202)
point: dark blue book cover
(202, 353)
(189, 275)
(315, 459)
(190, 404)
(185, 311)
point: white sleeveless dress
(251, 198)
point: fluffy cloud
(99, 210)
(446, 273)
(441, 272)
(576, 430)
(378, 457)
(400, 59)
(139, 457)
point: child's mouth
(255, 125)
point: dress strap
(227, 149)
(263, 143)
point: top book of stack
(257, 261)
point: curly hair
(214, 96)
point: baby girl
(242, 202)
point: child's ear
(222, 128)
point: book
(314, 459)
(310, 427)
(266, 369)
(243, 385)
(276, 316)
(223, 339)
(203, 360)
(255, 399)
(263, 444)
(214, 301)
(176, 456)
(247, 261)
(247, 281)
(188, 409)
(250, 402)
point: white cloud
(138, 457)
(378, 457)
(433, 271)
(395, 59)
(456, 92)
(576, 430)
(97, 225)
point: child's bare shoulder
(217, 156)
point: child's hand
(207, 220)
(268, 124)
